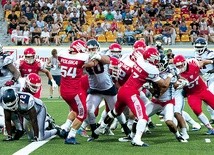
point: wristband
(170, 75)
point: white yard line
(32, 147)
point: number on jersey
(68, 71)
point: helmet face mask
(115, 50)
(10, 100)
(29, 55)
(93, 47)
(162, 65)
(33, 83)
(200, 45)
(180, 63)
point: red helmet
(78, 46)
(114, 61)
(115, 49)
(151, 55)
(29, 55)
(180, 63)
(33, 82)
(113, 67)
(139, 44)
(136, 53)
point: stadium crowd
(170, 21)
(134, 86)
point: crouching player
(31, 109)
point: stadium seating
(101, 38)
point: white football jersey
(5, 74)
(207, 55)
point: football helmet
(139, 44)
(78, 46)
(115, 50)
(164, 61)
(29, 55)
(151, 55)
(136, 53)
(200, 45)
(180, 63)
(33, 83)
(1, 48)
(93, 47)
(10, 99)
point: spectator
(36, 36)
(182, 29)
(7, 7)
(129, 36)
(203, 30)
(75, 18)
(114, 26)
(17, 36)
(109, 16)
(22, 23)
(40, 23)
(148, 35)
(82, 16)
(12, 26)
(128, 18)
(211, 32)
(209, 20)
(106, 25)
(194, 22)
(55, 71)
(26, 34)
(120, 36)
(70, 32)
(118, 16)
(99, 15)
(176, 22)
(166, 35)
(29, 14)
(55, 32)
(169, 11)
(49, 18)
(45, 9)
(45, 36)
(99, 30)
(194, 33)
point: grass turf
(161, 141)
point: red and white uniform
(129, 94)
(197, 90)
(26, 68)
(70, 87)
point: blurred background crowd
(46, 22)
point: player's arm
(48, 74)
(105, 59)
(33, 118)
(163, 84)
(8, 124)
(204, 62)
(14, 71)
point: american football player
(29, 64)
(197, 90)
(203, 53)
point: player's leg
(209, 109)
(195, 125)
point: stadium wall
(44, 53)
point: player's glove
(182, 83)
(96, 57)
(114, 71)
(9, 83)
(18, 134)
(54, 85)
(9, 138)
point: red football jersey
(125, 69)
(26, 68)
(192, 74)
(71, 71)
(142, 72)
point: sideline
(32, 147)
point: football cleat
(139, 143)
(210, 132)
(125, 139)
(82, 133)
(181, 139)
(151, 125)
(109, 132)
(63, 134)
(92, 137)
(212, 121)
(147, 131)
(185, 136)
(196, 127)
(71, 140)
(100, 130)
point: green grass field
(161, 141)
